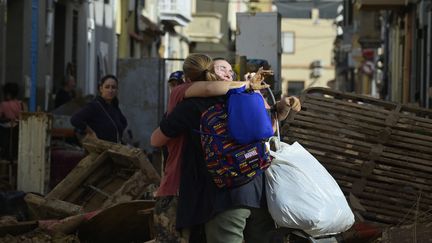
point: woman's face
(108, 90)
(223, 70)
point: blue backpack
(248, 119)
(230, 164)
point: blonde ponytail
(198, 66)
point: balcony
(382, 4)
(176, 12)
(205, 27)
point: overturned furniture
(111, 179)
(379, 152)
(109, 174)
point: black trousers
(9, 143)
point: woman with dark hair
(102, 116)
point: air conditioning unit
(316, 73)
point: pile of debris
(380, 154)
(107, 197)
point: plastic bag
(301, 193)
(248, 119)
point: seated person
(10, 110)
(66, 93)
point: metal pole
(3, 29)
(34, 54)
(428, 81)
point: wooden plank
(335, 141)
(414, 141)
(373, 111)
(343, 130)
(412, 127)
(382, 214)
(333, 149)
(325, 117)
(388, 191)
(419, 186)
(339, 112)
(333, 126)
(401, 145)
(415, 120)
(133, 188)
(387, 158)
(380, 169)
(407, 155)
(422, 137)
(33, 152)
(389, 210)
(347, 98)
(43, 208)
(325, 135)
(83, 169)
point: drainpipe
(428, 81)
(91, 59)
(34, 54)
(3, 24)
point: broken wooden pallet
(379, 152)
(111, 173)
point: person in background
(102, 117)
(11, 107)
(176, 78)
(66, 93)
(10, 110)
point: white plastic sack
(301, 193)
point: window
(288, 42)
(295, 87)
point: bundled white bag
(301, 193)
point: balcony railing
(205, 27)
(177, 12)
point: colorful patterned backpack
(230, 164)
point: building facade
(306, 53)
(46, 41)
(385, 50)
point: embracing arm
(158, 139)
(178, 122)
(213, 88)
(216, 88)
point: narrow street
(104, 108)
